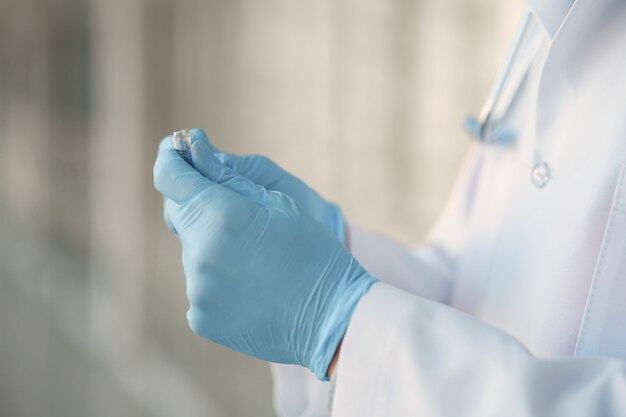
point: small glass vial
(181, 142)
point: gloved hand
(263, 277)
(266, 173)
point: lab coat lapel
(583, 20)
(603, 329)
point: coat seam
(600, 266)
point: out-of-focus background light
(362, 99)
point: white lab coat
(517, 305)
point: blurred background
(362, 99)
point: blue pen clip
(482, 133)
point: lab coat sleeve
(404, 355)
(417, 272)
(297, 393)
(428, 271)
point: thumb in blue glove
(263, 277)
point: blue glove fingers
(205, 161)
(229, 160)
(196, 135)
(179, 181)
(166, 143)
(166, 217)
(265, 172)
(257, 168)
(175, 178)
(199, 135)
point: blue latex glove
(263, 277)
(266, 173)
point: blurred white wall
(362, 99)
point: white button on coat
(540, 174)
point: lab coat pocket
(603, 328)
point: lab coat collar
(551, 13)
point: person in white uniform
(516, 306)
